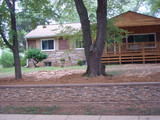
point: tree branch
(9, 4)
(5, 40)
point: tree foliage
(154, 7)
(7, 59)
(35, 55)
(9, 13)
(114, 34)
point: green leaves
(115, 34)
(36, 55)
(7, 59)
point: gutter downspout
(26, 49)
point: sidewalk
(74, 117)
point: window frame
(144, 42)
(75, 45)
(47, 40)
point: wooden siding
(135, 19)
(132, 52)
(142, 29)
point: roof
(130, 18)
(49, 30)
(127, 19)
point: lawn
(73, 75)
(7, 72)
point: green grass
(29, 110)
(88, 110)
(5, 72)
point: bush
(80, 62)
(7, 59)
(62, 59)
(35, 55)
(23, 61)
(62, 62)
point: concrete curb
(74, 117)
(81, 85)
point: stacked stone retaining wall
(79, 94)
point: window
(141, 38)
(47, 44)
(47, 64)
(136, 39)
(79, 44)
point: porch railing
(132, 52)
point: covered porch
(137, 52)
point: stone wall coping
(81, 85)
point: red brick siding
(63, 44)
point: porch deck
(140, 52)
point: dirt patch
(116, 74)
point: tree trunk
(15, 49)
(93, 51)
(18, 74)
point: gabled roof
(127, 19)
(49, 30)
(130, 18)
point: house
(44, 37)
(141, 45)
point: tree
(8, 24)
(35, 55)
(93, 51)
(13, 37)
(94, 38)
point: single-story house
(142, 44)
(44, 37)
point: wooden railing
(132, 52)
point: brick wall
(91, 93)
(63, 44)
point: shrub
(7, 59)
(23, 61)
(62, 62)
(80, 62)
(62, 59)
(35, 55)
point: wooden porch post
(143, 52)
(120, 62)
